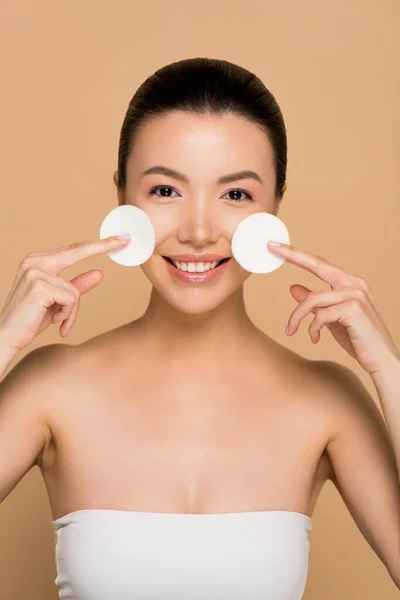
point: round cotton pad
(133, 220)
(249, 242)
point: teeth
(198, 267)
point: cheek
(151, 267)
(165, 220)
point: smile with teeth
(196, 267)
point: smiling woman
(183, 452)
(180, 155)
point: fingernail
(123, 236)
(287, 329)
(274, 243)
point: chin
(193, 304)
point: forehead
(202, 146)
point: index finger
(315, 264)
(61, 258)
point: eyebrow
(246, 174)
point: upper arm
(23, 427)
(364, 465)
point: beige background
(68, 72)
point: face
(191, 211)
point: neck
(178, 334)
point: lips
(196, 278)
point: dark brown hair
(205, 86)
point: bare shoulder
(340, 385)
(73, 364)
(328, 393)
(25, 392)
(349, 408)
(35, 365)
(346, 396)
(35, 375)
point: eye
(160, 187)
(249, 197)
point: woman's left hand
(348, 310)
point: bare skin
(249, 436)
(190, 408)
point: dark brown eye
(161, 187)
(239, 191)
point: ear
(120, 193)
(278, 204)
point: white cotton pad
(249, 242)
(133, 220)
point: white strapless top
(104, 554)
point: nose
(198, 223)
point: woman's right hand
(39, 296)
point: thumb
(299, 292)
(88, 280)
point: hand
(349, 310)
(39, 297)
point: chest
(185, 441)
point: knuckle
(364, 285)
(356, 303)
(37, 285)
(26, 262)
(32, 274)
(361, 295)
(28, 259)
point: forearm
(387, 384)
(7, 355)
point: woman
(184, 452)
